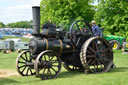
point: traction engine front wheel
(24, 64)
(47, 65)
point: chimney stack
(36, 20)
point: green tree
(2, 25)
(66, 11)
(11, 25)
(113, 16)
(21, 24)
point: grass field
(117, 76)
(22, 38)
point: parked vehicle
(115, 41)
(125, 47)
(1, 37)
(16, 40)
(13, 45)
(21, 46)
(6, 45)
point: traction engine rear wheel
(47, 65)
(96, 55)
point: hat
(93, 22)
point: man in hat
(96, 33)
(95, 29)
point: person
(97, 33)
(95, 29)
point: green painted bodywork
(114, 37)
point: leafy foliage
(2, 25)
(113, 16)
(21, 24)
(64, 12)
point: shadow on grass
(5, 81)
(67, 74)
(119, 69)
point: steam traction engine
(76, 49)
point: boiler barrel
(58, 46)
(37, 46)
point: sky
(16, 10)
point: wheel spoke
(44, 70)
(47, 74)
(27, 71)
(89, 52)
(93, 44)
(97, 65)
(54, 70)
(94, 66)
(92, 49)
(105, 50)
(21, 62)
(26, 56)
(31, 71)
(30, 54)
(49, 57)
(100, 64)
(52, 58)
(90, 56)
(105, 59)
(78, 27)
(101, 61)
(54, 61)
(78, 41)
(21, 66)
(23, 69)
(96, 46)
(55, 65)
(102, 47)
(89, 61)
(50, 72)
(23, 58)
(45, 58)
(93, 62)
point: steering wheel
(75, 30)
